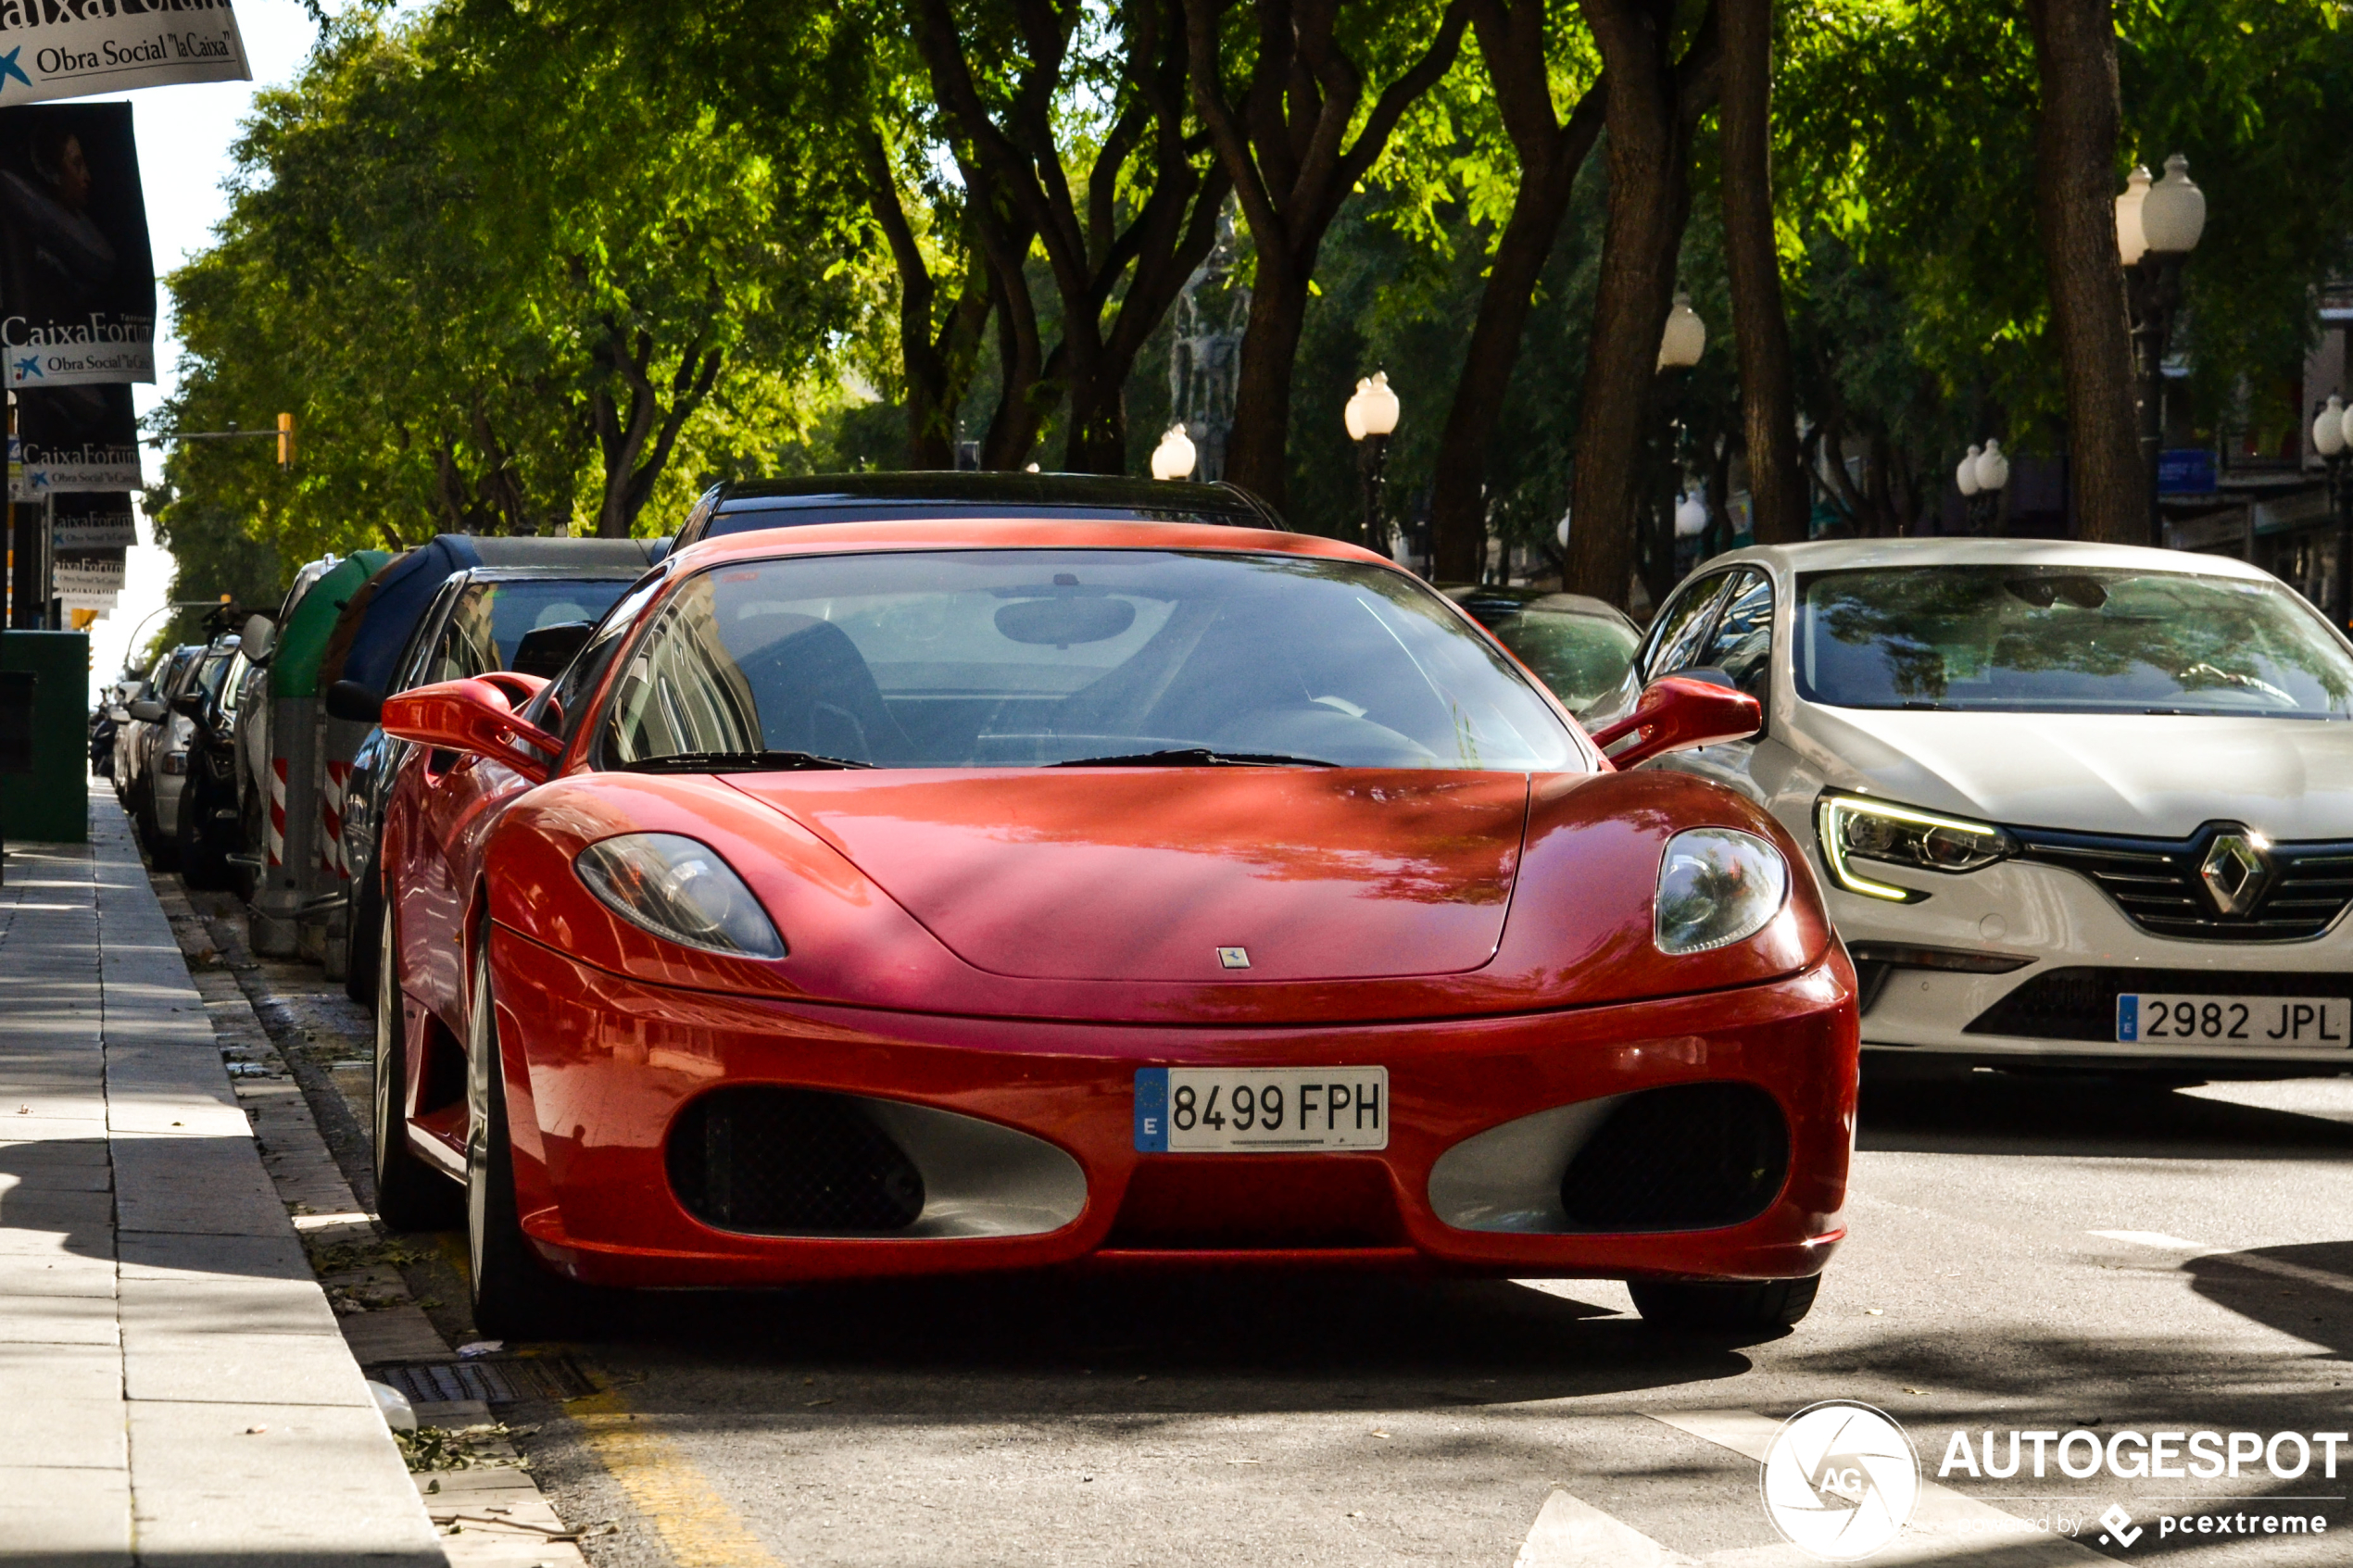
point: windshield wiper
(1196, 756)
(737, 762)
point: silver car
(2072, 805)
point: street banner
(76, 438)
(94, 519)
(76, 277)
(85, 577)
(75, 48)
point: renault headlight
(1716, 887)
(1852, 829)
(680, 890)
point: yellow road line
(698, 1526)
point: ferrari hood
(2161, 777)
(1160, 874)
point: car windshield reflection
(1030, 657)
(2011, 638)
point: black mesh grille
(2156, 883)
(1695, 1156)
(790, 1162)
(2079, 1004)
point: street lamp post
(1981, 476)
(1175, 456)
(1680, 344)
(2333, 439)
(1371, 418)
(2158, 224)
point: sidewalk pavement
(173, 1386)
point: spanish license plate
(2147, 1017)
(1273, 1110)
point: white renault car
(2074, 805)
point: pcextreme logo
(1840, 1480)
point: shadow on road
(1224, 1340)
(2002, 1113)
(2275, 1287)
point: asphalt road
(1281, 1420)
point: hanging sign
(64, 49)
(76, 438)
(77, 277)
(92, 519)
(85, 577)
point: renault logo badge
(2235, 869)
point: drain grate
(493, 1381)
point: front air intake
(1693, 1157)
(782, 1161)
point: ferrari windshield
(2065, 639)
(979, 659)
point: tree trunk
(1256, 451)
(1649, 198)
(937, 362)
(1011, 159)
(1286, 148)
(2075, 141)
(1512, 41)
(1777, 492)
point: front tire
(1731, 1307)
(514, 1296)
(410, 1195)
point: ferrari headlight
(680, 890)
(1852, 829)
(1716, 887)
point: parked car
(474, 626)
(365, 647)
(739, 506)
(1580, 646)
(2073, 805)
(142, 712)
(248, 757)
(161, 766)
(889, 897)
(205, 832)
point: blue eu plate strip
(2128, 1018)
(1151, 1111)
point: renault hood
(2154, 776)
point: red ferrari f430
(918, 896)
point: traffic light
(285, 441)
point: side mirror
(355, 702)
(258, 639)
(544, 651)
(188, 705)
(147, 710)
(478, 717)
(1677, 713)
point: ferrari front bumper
(603, 1072)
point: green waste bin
(48, 802)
